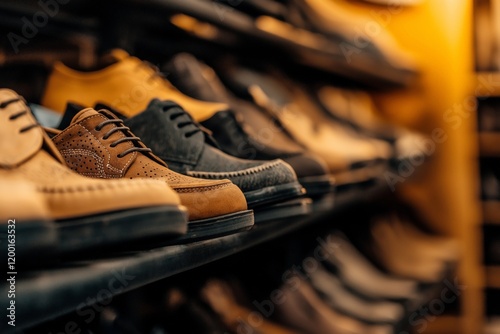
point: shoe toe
(267, 174)
(211, 199)
(98, 196)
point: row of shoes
(222, 156)
(343, 291)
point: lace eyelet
(105, 137)
(119, 156)
(98, 128)
(112, 145)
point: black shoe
(187, 149)
(351, 157)
(246, 131)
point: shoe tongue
(99, 106)
(75, 113)
(85, 113)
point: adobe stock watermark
(32, 25)
(419, 320)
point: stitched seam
(79, 152)
(200, 188)
(105, 185)
(73, 126)
(108, 165)
(244, 172)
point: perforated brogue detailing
(146, 168)
(89, 153)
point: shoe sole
(217, 226)
(119, 227)
(273, 194)
(317, 186)
(293, 208)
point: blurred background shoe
(121, 81)
(337, 296)
(237, 318)
(307, 313)
(358, 274)
(351, 158)
(246, 131)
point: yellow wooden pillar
(442, 103)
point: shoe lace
(188, 121)
(18, 114)
(120, 127)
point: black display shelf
(45, 294)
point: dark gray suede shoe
(188, 149)
(247, 131)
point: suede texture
(21, 201)
(175, 138)
(125, 83)
(65, 194)
(246, 131)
